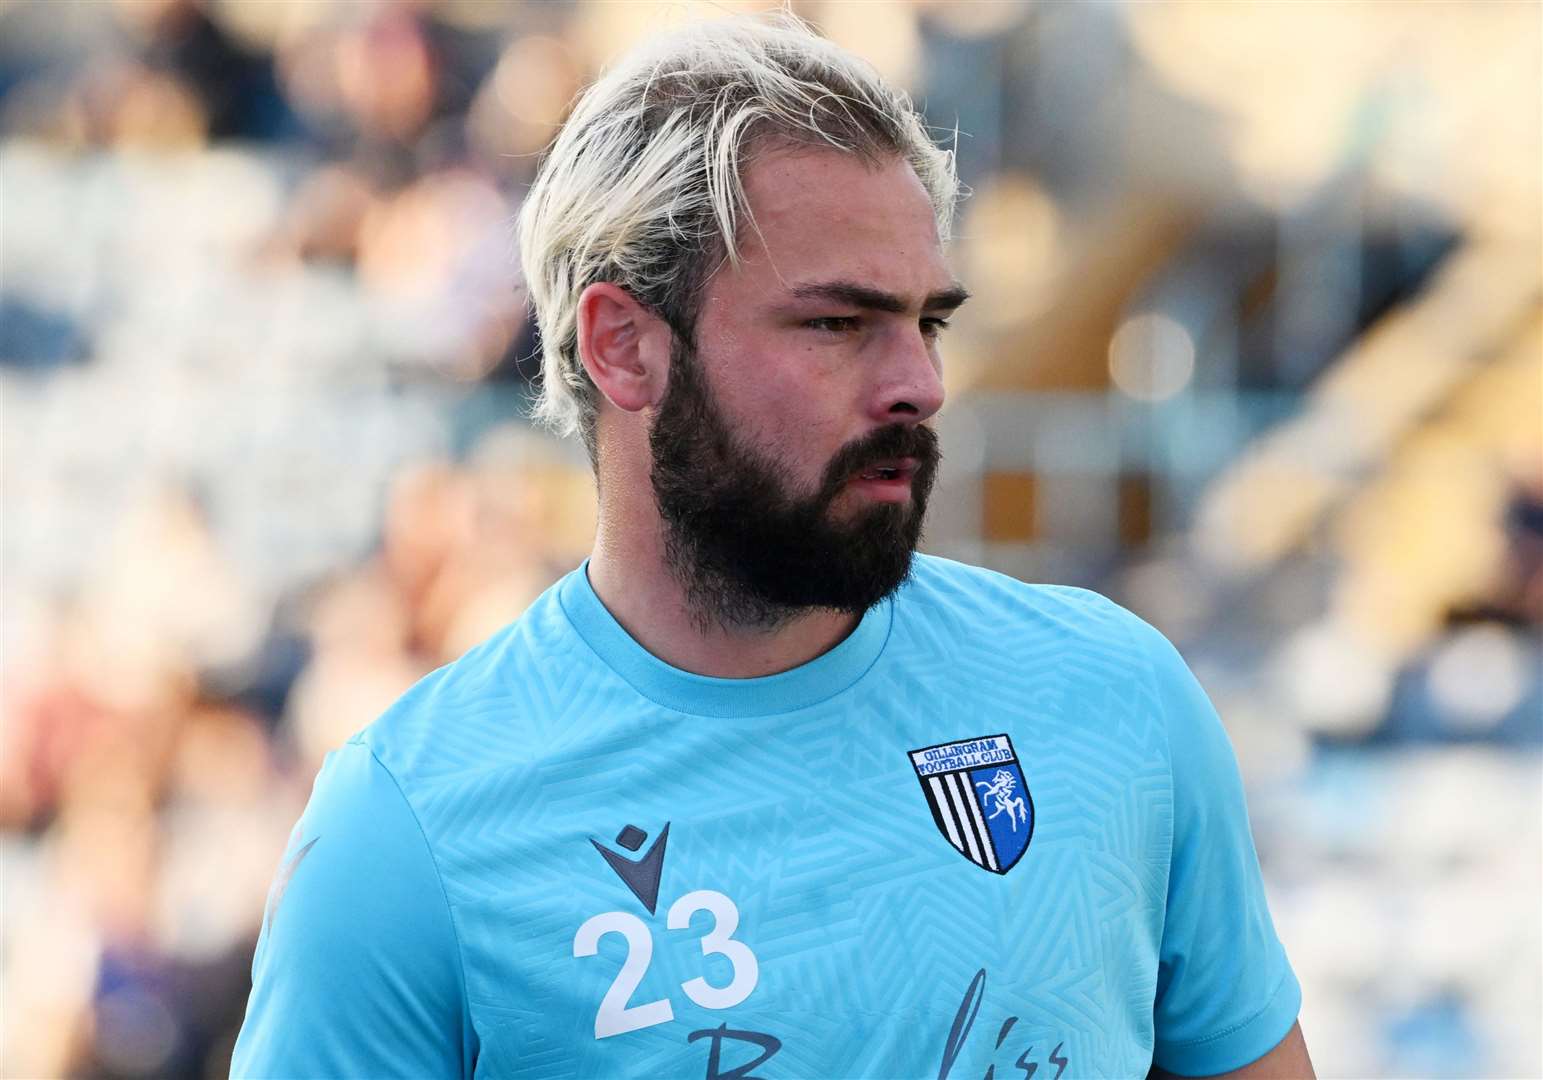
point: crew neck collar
(808, 684)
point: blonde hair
(643, 185)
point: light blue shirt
(998, 826)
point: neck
(630, 575)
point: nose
(910, 389)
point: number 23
(615, 1017)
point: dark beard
(746, 550)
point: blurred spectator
(235, 86)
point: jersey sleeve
(357, 971)
(1226, 994)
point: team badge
(979, 799)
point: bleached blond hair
(643, 186)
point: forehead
(822, 215)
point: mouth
(887, 477)
(888, 469)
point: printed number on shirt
(615, 1016)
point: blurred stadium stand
(1255, 350)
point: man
(755, 792)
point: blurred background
(1255, 350)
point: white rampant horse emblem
(1001, 790)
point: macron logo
(639, 875)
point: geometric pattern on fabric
(808, 898)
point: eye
(932, 327)
(834, 324)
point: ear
(624, 346)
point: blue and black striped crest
(979, 799)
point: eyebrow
(849, 292)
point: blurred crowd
(264, 358)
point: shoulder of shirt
(946, 600)
(944, 583)
(1093, 640)
(466, 714)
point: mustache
(887, 443)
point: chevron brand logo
(979, 799)
(640, 875)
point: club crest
(979, 799)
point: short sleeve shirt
(999, 826)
